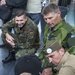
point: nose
(19, 22)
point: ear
(62, 51)
(59, 13)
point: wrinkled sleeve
(6, 28)
(66, 71)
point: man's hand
(10, 39)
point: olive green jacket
(61, 32)
(67, 65)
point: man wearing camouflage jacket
(25, 39)
(57, 28)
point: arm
(6, 30)
(66, 71)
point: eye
(50, 17)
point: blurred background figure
(34, 10)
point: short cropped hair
(50, 8)
(29, 64)
(20, 12)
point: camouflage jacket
(61, 32)
(26, 37)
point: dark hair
(55, 8)
(28, 63)
(50, 8)
(20, 12)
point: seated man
(25, 39)
(28, 65)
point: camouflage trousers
(23, 52)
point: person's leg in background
(37, 19)
(43, 23)
(1, 23)
(70, 17)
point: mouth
(21, 25)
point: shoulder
(68, 68)
(31, 23)
(67, 26)
(70, 62)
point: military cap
(52, 46)
(29, 64)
